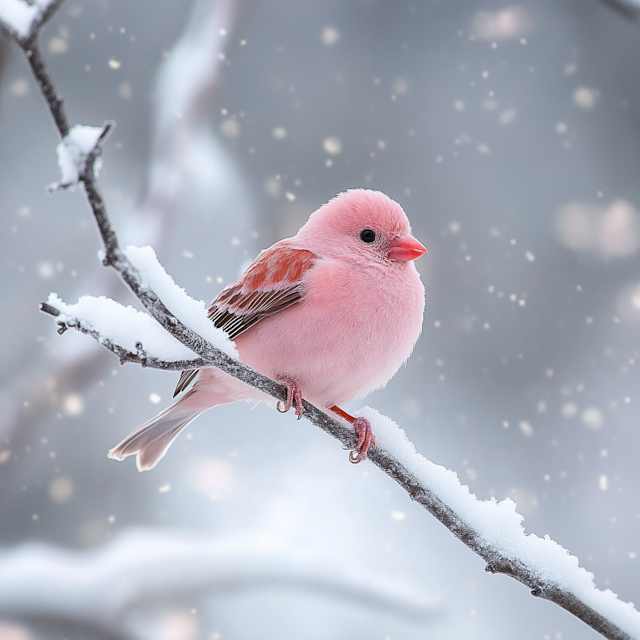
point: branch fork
(22, 21)
(79, 153)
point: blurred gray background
(510, 134)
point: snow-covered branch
(141, 568)
(178, 145)
(493, 530)
(80, 148)
(22, 20)
(68, 317)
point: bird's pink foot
(294, 398)
(366, 438)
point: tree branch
(206, 35)
(43, 78)
(41, 581)
(493, 530)
(140, 356)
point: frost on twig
(79, 150)
(492, 530)
(141, 568)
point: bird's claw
(365, 440)
(294, 399)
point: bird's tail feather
(150, 441)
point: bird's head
(361, 224)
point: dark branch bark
(114, 257)
(43, 78)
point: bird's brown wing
(272, 283)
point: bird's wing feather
(271, 284)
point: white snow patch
(74, 150)
(124, 326)
(20, 16)
(191, 312)
(138, 567)
(500, 525)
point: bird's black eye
(368, 236)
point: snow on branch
(179, 145)
(141, 568)
(193, 313)
(118, 328)
(22, 20)
(79, 148)
(493, 530)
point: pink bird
(331, 313)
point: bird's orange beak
(406, 248)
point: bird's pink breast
(351, 332)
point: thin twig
(115, 258)
(43, 78)
(124, 355)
